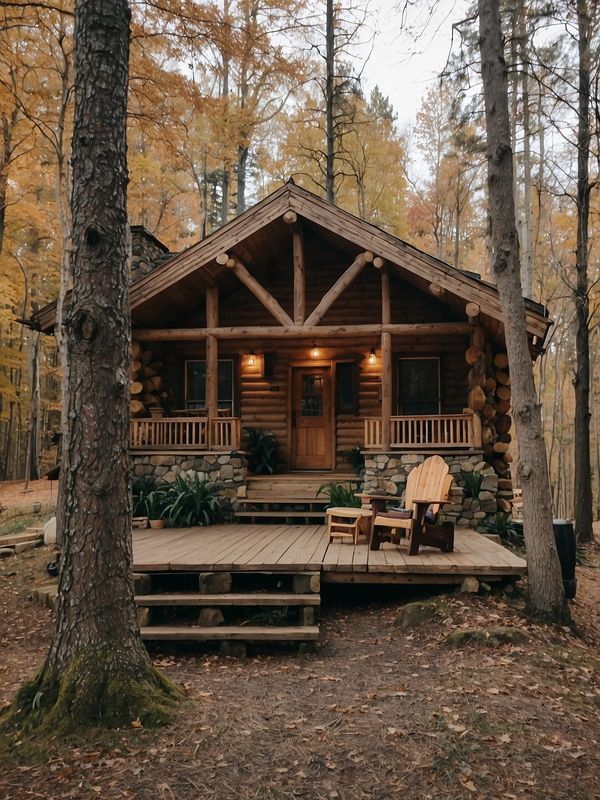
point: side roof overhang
(463, 287)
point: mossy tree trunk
(97, 671)
(546, 594)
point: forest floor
(378, 712)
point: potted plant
(156, 505)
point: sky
(406, 58)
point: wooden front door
(311, 418)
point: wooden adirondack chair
(428, 485)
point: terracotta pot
(158, 523)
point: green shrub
(473, 481)
(140, 489)
(355, 458)
(504, 527)
(155, 503)
(192, 502)
(263, 451)
(340, 495)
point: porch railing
(427, 432)
(184, 433)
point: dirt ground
(378, 712)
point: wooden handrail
(426, 432)
(184, 433)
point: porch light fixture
(372, 356)
(315, 352)
(251, 360)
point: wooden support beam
(212, 352)
(261, 294)
(336, 290)
(386, 389)
(414, 330)
(299, 274)
(386, 298)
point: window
(195, 385)
(418, 386)
(346, 390)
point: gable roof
(460, 287)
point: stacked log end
(489, 397)
(146, 384)
(497, 424)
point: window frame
(233, 398)
(398, 403)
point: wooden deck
(305, 548)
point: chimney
(147, 252)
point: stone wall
(227, 471)
(146, 252)
(386, 473)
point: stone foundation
(226, 471)
(387, 472)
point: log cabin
(300, 319)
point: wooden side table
(346, 523)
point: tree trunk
(97, 671)
(546, 594)
(329, 100)
(526, 221)
(583, 471)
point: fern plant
(340, 495)
(473, 481)
(140, 489)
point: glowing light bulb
(315, 352)
(372, 356)
(251, 360)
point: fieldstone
(50, 531)
(187, 465)
(466, 466)
(468, 514)
(390, 487)
(467, 503)
(370, 463)
(470, 585)
(479, 515)
(463, 523)
(160, 471)
(489, 506)
(393, 463)
(410, 459)
(236, 463)
(455, 469)
(475, 504)
(139, 470)
(224, 459)
(456, 509)
(486, 496)
(414, 614)
(169, 477)
(489, 484)
(161, 461)
(226, 471)
(481, 465)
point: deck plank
(295, 548)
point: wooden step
(229, 599)
(283, 633)
(284, 500)
(286, 512)
(11, 539)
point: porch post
(386, 389)
(212, 352)
(386, 360)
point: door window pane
(311, 401)
(419, 386)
